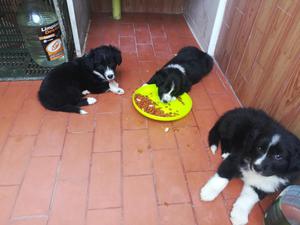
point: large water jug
(40, 30)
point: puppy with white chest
(188, 67)
(256, 149)
(64, 87)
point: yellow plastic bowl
(178, 107)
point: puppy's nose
(165, 101)
(110, 76)
(257, 168)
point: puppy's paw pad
(213, 149)
(91, 100)
(238, 217)
(86, 92)
(83, 112)
(208, 194)
(120, 91)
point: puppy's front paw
(120, 91)
(207, 193)
(91, 100)
(238, 216)
(213, 149)
(144, 84)
(86, 92)
(213, 188)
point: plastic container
(179, 107)
(286, 209)
(40, 30)
(116, 9)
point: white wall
(80, 16)
(200, 15)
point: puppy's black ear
(187, 85)
(250, 139)
(157, 79)
(295, 159)
(116, 55)
(89, 59)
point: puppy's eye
(259, 148)
(277, 157)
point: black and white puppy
(64, 87)
(188, 67)
(256, 149)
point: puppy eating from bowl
(64, 87)
(178, 75)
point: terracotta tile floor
(113, 166)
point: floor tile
(161, 135)
(126, 29)
(177, 214)
(139, 201)
(136, 153)
(13, 99)
(14, 159)
(142, 34)
(145, 52)
(147, 69)
(6, 124)
(69, 203)
(161, 44)
(157, 30)
(107, 133)
(51, 137)
(188, 137)
(186, 121)
(105, 181)
(31, 200)
(201, 99)
(170, 181)
(127, 44)
(30, 221)
(29, 119)
(75, 161)
(212, 82)
(131, 118)
(206, 119)
(83, 123)
(104, 217)
(223, 102)
(109, 103)
(8, 195)
(195, 159)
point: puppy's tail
(214, 138)
(70, 108)
(67, 108)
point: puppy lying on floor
(188, 67)
(65, 86)
(256, 149)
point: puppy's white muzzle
(109, 74)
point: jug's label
(50, 37)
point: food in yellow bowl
(146, 101)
